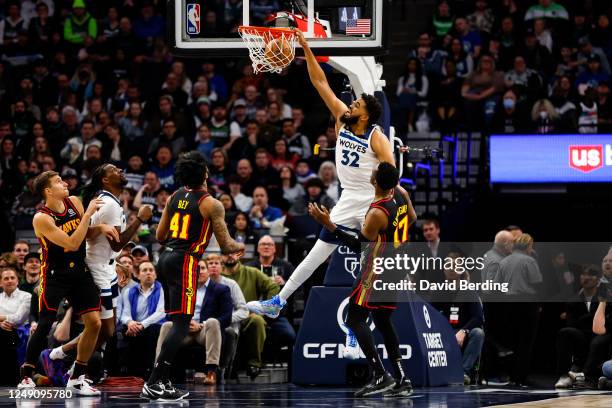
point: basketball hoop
(270, 49)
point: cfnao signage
(551, 158)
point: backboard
(208, 28)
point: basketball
(279, 52)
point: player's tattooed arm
(382, 147)
(214, 209)
(163, 227)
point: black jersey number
(350, 158)
(179, 225)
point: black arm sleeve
(351, 241)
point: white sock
(57, 354)
(317, 255)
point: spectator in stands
(544, 117)
(412, 87)
(149, 25)
(447, 97)
(604, 108)
(220, 127)
(80, 27)
(74, 152)
(243, 202)
(482, 19)
(169, 137)
(239, 311)
(256, 285)
(464, 313)
(163, 166)
(211, 317)
(480, 91)
(536, 55)
(267, 132)
(276, 95)
(599, 350)
(244, 170)
(20, 250)
(241, 230)
(588, 112)
(601, 35)
(229, 205)
(431, 60)
(262, 214)
(146, 193)
(282, 157)
(593, 75)
(140, 254)
(263, 173)
(511, 117)
(219, 170)
(522, 273)
(315, 193)
(574, 339)
(297, 142)
(216, 82)
(246, 146)
(268, 263)
(329, 177)
(14, 311)
(547, 9)
(11, 26)
(470, 39)
(587, 49)
(303, 172)
(543, 34)
(502, 247)
(442, 20)
(141, 318)
(204, 143)
(133, 126)
(568, 65)
(292, 190)
(31, 268)
(562, 99)
(524, 81)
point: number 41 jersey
(355, 160)
(189, 230)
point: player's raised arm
(213, 209)
(44, 226)
(319, 81)
(382, 147)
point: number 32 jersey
(189, 230)
(355, 160)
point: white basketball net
(270, 59)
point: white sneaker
(57, 354)
(564, 382)
(351, 347)
(82, 386)
(26, 382)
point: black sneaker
(378, 385)
(399, 390)
(174, 394)
(153, 391)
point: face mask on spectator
(543, 115)
(509, 103)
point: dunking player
(189, 219)
(360, 146)
(387, 221)
(107, 182)
(61, 227)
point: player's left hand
(320, 214)
(110, 232)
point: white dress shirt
(16, 307)
(142, 312)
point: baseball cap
(130, 245)
(240, 102)
(593, 58)
(67, 173)
(203, 99)
(140, 248)
(31, 255)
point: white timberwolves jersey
(111, 213)
(355, 161)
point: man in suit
(212, 315)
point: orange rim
(274, 31)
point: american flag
(358, 26)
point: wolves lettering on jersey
(355, 160)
